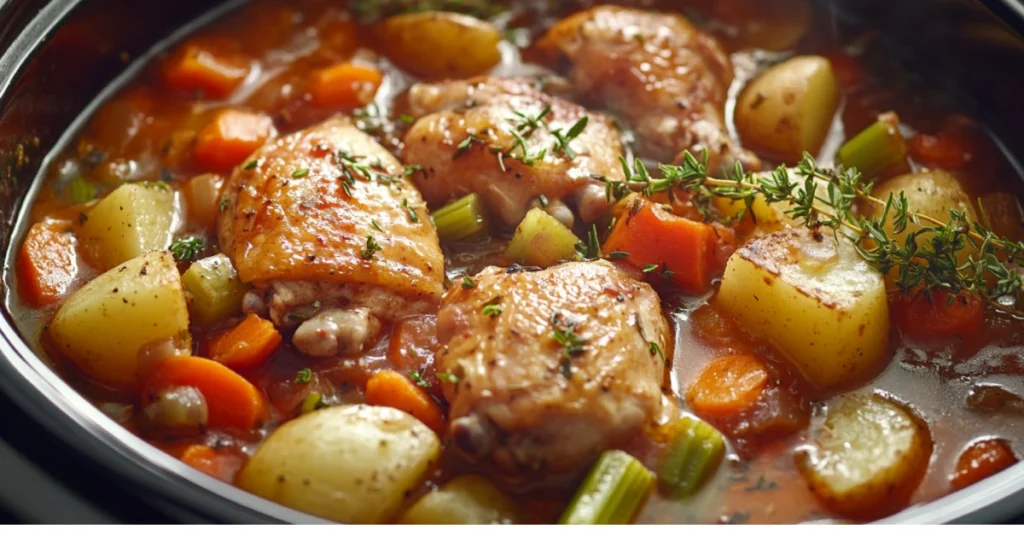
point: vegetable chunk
(815, 300)
(440, 44)
(47, 263)
(134, 219)
(869, 457)
(351, 464)
(103, 325)
(466, 500)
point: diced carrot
(653, 237)
(344, 86)
(47, 263)
(247, 345)
(946, 149)
(216, 464)
(981, 460)
(198, 67)
(232, 401)
(393, 389)
(936, 316)
(727, 386)
(230, 138)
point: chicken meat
(550, 367)
(656, 71)
(330, 234)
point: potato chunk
(103, 325)
(132, 220)
(440, 44)
(869, 457)
(789, 108)
(816, 301)
(466, 500)
(351, 464)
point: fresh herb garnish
(413, 217)
(376, 225)
(491, 308)
(543, 200)
(411, 169)
(81, 190)
(446, 377)
(304, 376)
(467, 282)
(186, 249)
(251, 165)
(299, 173)
(562, 140)
(655, 349)
(371, 247)
(224, 202)
(617, 255)
(417, 377)
(407, 119)
(464, 145)
(591, 248)
(564, 333)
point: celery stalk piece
(612, 493)
(875, 149)
(541, 240)
(214, 290)
(463, 219)
(695, 452)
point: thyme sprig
(952, 256)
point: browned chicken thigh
(662, 75)
(553, 366)
(499, 137)
(330, 234)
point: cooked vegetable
(876, 149)
(344, 86)
(464, 219)
(396, 390)
(204, 198)
(540, 240)
(132, 220)
(214, 290)
(232, 401)
(869, 457)
(176, 412)
(230, 138)
(981, 460)
(695, 452)
(211, 462)
(312, 402)
(947, 149)
(465, 500)
(939, 315)
(247, 345)
(213, 72)
(612, 493)
(815, 300)
(728, 385)
(103, 325)
(47, 263)
(682, 249)
(789, 108)
(440, 44)
(351, 464)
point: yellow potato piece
(133, 219)
(466, 500)
(440, 44)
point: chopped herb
(224, 202)
(543, 200)
(654, 349)
(299, 173)
(491, 308)
(417, 377)
(591, 249)
(446, 377)
(81, 191)
(251, 165)
(564, 333)
(526, 124)
(650, 268)
(411, 169)
(617, 255)
(467, 282)
(376, 225)
(371, 247)
(562, 140)
(413, 217)
(157, 185)
(407, 119)
(762, 484)
(186, 249)
(304, 376)
(464, 145)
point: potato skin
(102, 326)
(870, 457)
(438, 45)
(350, 464)
(133, 219)
(465, 500)
(789, 108)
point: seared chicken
(663, 76)
(328, 231)
(466, 141)
(553, 366)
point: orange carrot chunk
(216, 73)
(344, 86)
(218, 465)
(981, 460)
(936, 316)
(665, 244)
(231, 400)
(248, 345)
(947, 149)
(728, 385)
(393, 389)
(47, 263)
(230, 138)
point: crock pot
(61, 459)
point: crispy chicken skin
(296, 225)
(449, 112)
(526, 402)
(663, 76)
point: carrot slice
(667, 244)
(345, 85)
(205, 68)
(981, 460)
(206, 459)
(390, 388)
(47, 263)
(727, 386)
(232, 401)
(230, 138)
(248, 345)
(946, 149)
(936, 316)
